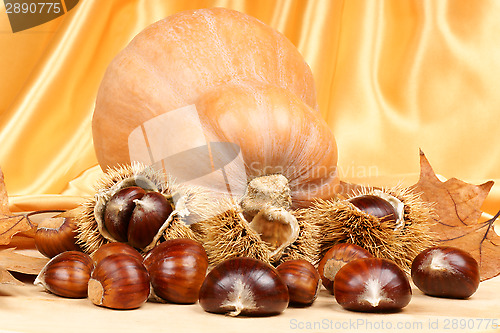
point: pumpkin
(175, 62)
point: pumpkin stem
(266, 191)
(266, 204)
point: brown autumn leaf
(23, 262)
(7, 278)
(458, 207)
(4, 199)
(9, 224)
(14, 260)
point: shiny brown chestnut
(177, 268)
(119, 281)
(67, 274)
(55, 235)
(445, 272)
(149, 214)
(372, 285)
(335, 258)
(134, 216)
(302, 280)
(114, 248)
(244, 286)
(119, 210)
(376, 206)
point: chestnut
(445, 272)
(177, 268)
(245, 286)
(335, 258)
(119, 281)
(376, 206)
(134, 216)
(149, 214)
(119, 210)
(55, 235)
(302, 280)
(372, 285)
(67, 274)
(114, 248)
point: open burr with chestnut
(142, 206)
(391, 223)
(445, 271)
(134, 216)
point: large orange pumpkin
(175, 61)
(216, 76)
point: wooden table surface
(30, 309)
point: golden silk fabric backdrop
(391, 77)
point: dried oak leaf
(458, 207)
(9, 224)
(12, 260)
(22, 262)
(7, 278)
